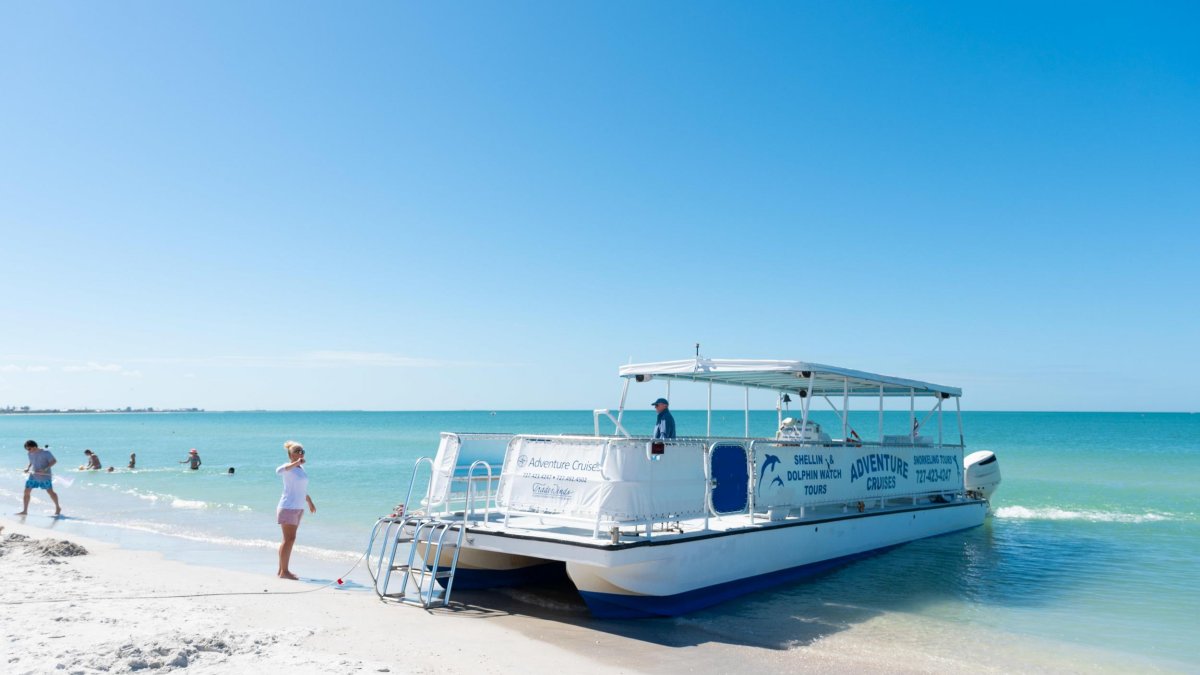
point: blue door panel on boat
(731, 474)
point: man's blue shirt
(665, 426)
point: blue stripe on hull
(521, 576)
(620, 606)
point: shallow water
(1094, 540)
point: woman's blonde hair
(292, 445)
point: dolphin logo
(769, 463)
(777, 479)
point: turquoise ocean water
(1094, 540)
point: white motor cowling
(981, 473)
(791, 429)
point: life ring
(853, 438)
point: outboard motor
(793, 430)
(981, 473)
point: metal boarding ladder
(427, 537)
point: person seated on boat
(664, 427)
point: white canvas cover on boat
(603, 478)
(456, 454)
(443, 468)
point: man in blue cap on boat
(665, 426)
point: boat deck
(547, 528)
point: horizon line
(187, 411)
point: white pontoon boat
(653, 528)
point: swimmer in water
(93, 461)
(193, 459)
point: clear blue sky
(493, 205)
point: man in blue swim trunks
(40, 462)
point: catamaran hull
(691, 575)
(483, 569)
(478, 569)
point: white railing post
(806, 402)
(881, 414)
(940, 399)
(912, 416)
(747, 412)
(621, 407)
(845, 407)
(708, 427)
(962, 443)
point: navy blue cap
(661, 400)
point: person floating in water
(93, 461)
(193, 459)
(133, 460)
(664, 426)
(40, 478)
(231, 471)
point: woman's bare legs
(285, 551)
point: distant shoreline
(121, 411)
(90, 411)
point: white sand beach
(325, 631)
(78, 605)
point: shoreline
(582, 411)
(116, 628)
(136, 619)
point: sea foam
(1054, 513)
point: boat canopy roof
(785, 376)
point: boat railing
(473, 481)
(807, 475)
(606, 483)
(461, 471)
(607, 413)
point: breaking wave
(179, 502)
(168, 531)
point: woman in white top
(291, 504)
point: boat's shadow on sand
(1012, 564)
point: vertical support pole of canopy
(881, 414)
(621, 407)
(804, 403)
(912, 416)
(845, 407)
(708, 427)
(747, 412)
(779, 411)
(940, 399)
(958, 411)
